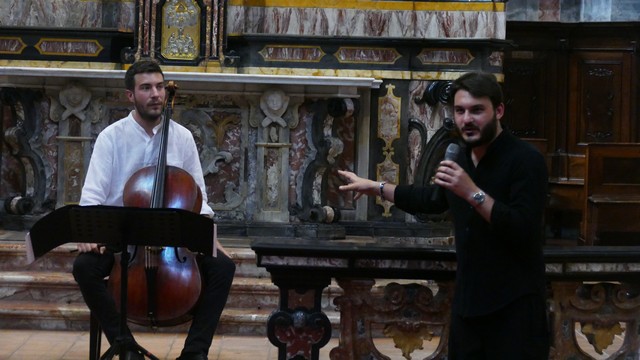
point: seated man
(121, 149)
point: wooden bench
(611, 213)
(566, 194)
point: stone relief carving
(274, 104)
(75, 110)
(278, 110)
(274, 114)
(325, 148)
(199, 123)
(74, 98)
(336, 147)
(207, 139)
(25, 171)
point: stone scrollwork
(299, 331)
(326, 145)
(336, 147)
(22, 131)
(604, 312)
(436, 92)
(208, 136)
(408, 313)
(207, 140)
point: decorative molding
(366, 55)
(292, 53)
(66, 47)
(389, 108)
(11, 45)
(445, 56)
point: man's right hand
(360, 186)
(86, 247)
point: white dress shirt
(124, 147)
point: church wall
(283, 172)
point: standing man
(121, 149)
(495, 190)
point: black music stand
(119, 227)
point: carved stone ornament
(74, 98)
(274, 104)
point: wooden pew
(611, 213)
(566, 196)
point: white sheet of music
(215, 240)
(29, 247)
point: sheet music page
(215, 240)
(29, 247)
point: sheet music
(215, 240)
(29, 247)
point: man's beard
(146, 115)
(487, 134)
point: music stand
(121, 226)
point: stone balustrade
(592, 293)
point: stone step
(43, 295)
(60, 287)
(52, 301)
(75, 316)
(251, 293)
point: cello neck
(157, 198)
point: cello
(164, 283)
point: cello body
(163, 283)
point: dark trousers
(517, 331)
(90, 269)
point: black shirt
(501, 261)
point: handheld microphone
(450, 154)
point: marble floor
(71, 345)
(74, 345)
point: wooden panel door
(525, 97)
(600, 88)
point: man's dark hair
(140, 67)
(478, 84)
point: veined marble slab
(391, 19)
(85, 14)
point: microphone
(450, 154)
